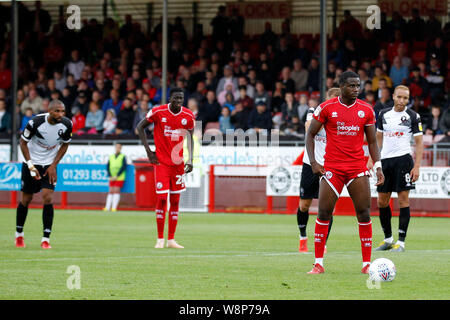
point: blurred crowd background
(109, 75)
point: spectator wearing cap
(438, 51)
(227, 77)
(260, 119)
(82, 102)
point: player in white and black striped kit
(309, 183)
(395, 128)
(43, 144)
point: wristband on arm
(31, 168)
(376, 165)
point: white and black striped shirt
(44, 139)
(398, 129)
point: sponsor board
(70, 177)
(433, 183)
(279, 156)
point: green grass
(226, 256)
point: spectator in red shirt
(245, 100)
(78, 121)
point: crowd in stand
(109, 76)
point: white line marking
(254, 254)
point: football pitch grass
(226, 256)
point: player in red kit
(172, 122)
(346, 119)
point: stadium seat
(419, 46)
(315, 95)
(298, 94)
(418, 56)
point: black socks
(21, 216)
(302, 221)
(385, 220)
(403, 223)
(47, 219)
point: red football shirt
(168, 132)
(344, 126)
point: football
(382, 269)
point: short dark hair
(347, 75)
(176, 90)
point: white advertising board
(433, 183)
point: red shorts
(169, 178)
(116, 183)
(337, 178)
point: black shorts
(30, 185)
(397, 174)
(309, 183)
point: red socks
(320, 239)
(161, 205)
(365, 234)
(173, 214)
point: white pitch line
(255, 254)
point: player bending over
(309, 183)
(171, 123)
(43, 143)
(345, 120)
(395, 126)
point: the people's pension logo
(342, 129)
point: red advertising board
(404, 6)
(258, 10)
